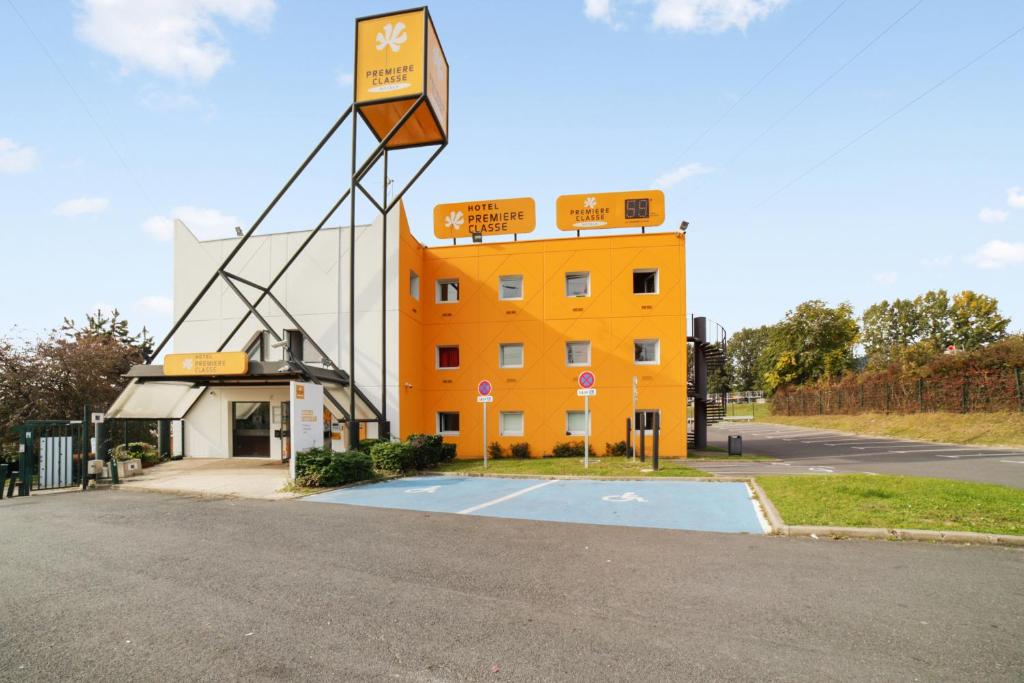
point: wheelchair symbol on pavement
(425, 489)
(627, 497)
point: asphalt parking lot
(118, 585)
(693, 505)
(818, 451)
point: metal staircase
(709, 359)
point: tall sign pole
(586, 382)
(483, 390)
(632, 434)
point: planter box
(128, 468)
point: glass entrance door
(250, 429)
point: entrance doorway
(250, 429)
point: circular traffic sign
(586, 379)
(484, 388)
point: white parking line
(489, 503)
(1015, 462)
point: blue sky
(118, 115)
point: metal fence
(980, 391)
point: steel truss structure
(384, 206)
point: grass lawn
(893, 502)
(982, 429)
(599, 467)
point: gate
(52, 454)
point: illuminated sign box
(400, 66)
(599, 210)
(223, 363)
(486, 217)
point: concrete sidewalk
(242, 477)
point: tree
(55, 376)
(912, 332)
(812, 343)
(748, 361)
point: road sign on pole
(484, 397)
(586, 381)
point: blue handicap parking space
(697, 506)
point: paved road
(123, 585)
(811, 451)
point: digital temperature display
(638, 208)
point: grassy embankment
(599, 467)
(894, 502)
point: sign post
(586, 381)
(483, 389)
(632, 434)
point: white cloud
(998, 254)
(161, 100)
(1015, 197)
(678, 175)
(345, 79)
(886, 278)
(712, 16)
(15, 158)
(81, 206)
(936, 261)
(598, 10)
(205, 224)
(180, 38)
(160, 305)
(987, 215)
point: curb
(779, 528)
(742, 480)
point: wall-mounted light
(683, 226)
(478, 237)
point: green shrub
(323, 467)
(366, 445)
(145, 452)
(392, 456)
(495, 450)
(570, 449)
(520, 450)
(447, 452)
(619, 448)
(426, 450)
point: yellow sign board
(389, 56)
(399, 60)
(222, 363)
(638, 209)
(487, 217)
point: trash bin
(735, 445)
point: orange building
(529, 316)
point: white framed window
(644, 419)
(575, 423)
(510, 355)
(646, 351)
(414, 285)
(645, 281)
(510, 287)
(448, 423)
(511, 423)
(577, 284)
(447, 291)
(447, 357)
(577, 353)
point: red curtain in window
(448, 357)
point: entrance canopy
(153, 395)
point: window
(447, 291)
(511, 423)
(577, 284)
(448, 423)
(296, 342)
(575, 423)
(577, 353)
(254, 349)
(448, 357)
(644, 419)
(414, 285)
(510, 287)
(645, 281)
(645, 351)
(510, 355)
